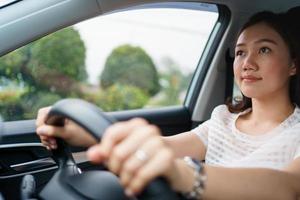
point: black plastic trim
(171, 120)
(22, 131)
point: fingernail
(92, 150)
(129, 193)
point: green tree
(10, 104)
(118, 97)
(31, 103)
(122, 97)
(62, 52)
(45, 71)
(54, 62)
(131, 66)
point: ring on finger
(141, 155)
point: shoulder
(221, 116)
(221, 111)
(292, 123)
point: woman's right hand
(70, 132)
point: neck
(275, 109)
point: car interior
(25, 21)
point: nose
(249, 63)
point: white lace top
(227, 146)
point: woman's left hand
(135, 151)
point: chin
(250, 93)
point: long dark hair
(284, 24)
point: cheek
(276, 74)
(277, 65)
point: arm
(239, 183)
(243, 183)
(178, 144)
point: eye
(239, 53)
(264, 50)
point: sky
(178, 34)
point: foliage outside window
(55, 67)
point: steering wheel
(68, 182)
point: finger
(133, 164)
(48, 139)
(100, 152)
(49, 146)
(49, 142)
(129, 146)
(95, 154)
(117, 132)
(157, 166)
(45, 142)
(51, 131)
(44, 139)
(52, 142)
(41, 116)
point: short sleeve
(218, 114)
(202, 132)
(297, 152)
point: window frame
(207, 56)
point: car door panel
(17, 160)
(171, 120)
(27, 155)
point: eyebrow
(259, 41)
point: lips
(250, 78)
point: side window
(127, 60)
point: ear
(293, 69)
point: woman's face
(262, 64)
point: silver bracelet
(200, 179)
